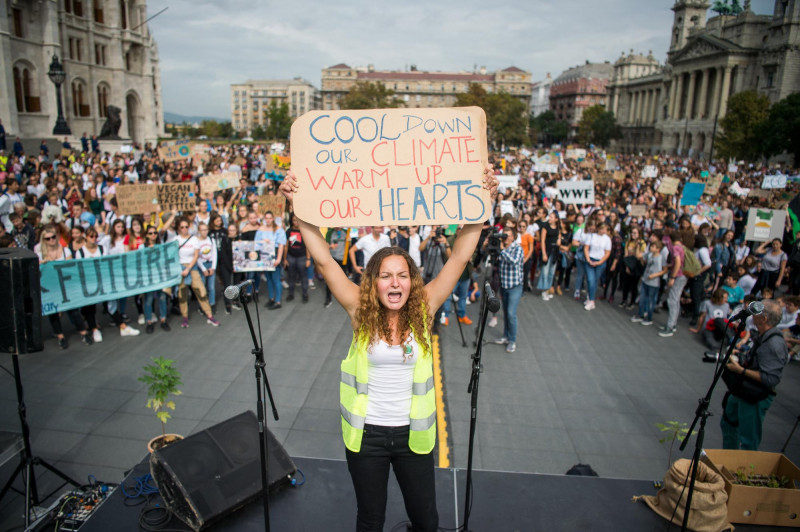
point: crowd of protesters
(675, 260)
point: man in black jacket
(746, 405)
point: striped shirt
(511, 260)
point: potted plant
(162, 381)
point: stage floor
(501, 502)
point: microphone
(491, 300)
(753, 309)
(235, 290)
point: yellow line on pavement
(441, 415)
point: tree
(279, 123)
(742, 125)
(586, 123)
(259, 132)
(546, 129)
(226, 130)
(505, 114)
(369, 96)
(781, 131)
(605, 129)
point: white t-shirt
(413, 249)
(703, 256)
(747, 282)
(598, 245)
(369, 245)
(390, 381)
(186, 250)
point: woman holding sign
(386, 395)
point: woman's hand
(184, 273)
(490, 181)
(289, 186)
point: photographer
(510, 266)
(438, 252)
(751, 382)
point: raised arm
(345, 292)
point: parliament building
(674, 108)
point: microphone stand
(487, 301)
(455, 312)
(259, 366)
(702, 415)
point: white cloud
(206, 45)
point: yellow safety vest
(353, 398)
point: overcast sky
(205, 45)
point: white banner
(774, 181)
(650, 171)
(576, 192)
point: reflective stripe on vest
(361, 387)
(423, 424)
(420, 388)
(353, 420)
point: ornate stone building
(577, 89)
(540, 95)
(419, 88)
(674, 108)
(251, 100)
(109, 58)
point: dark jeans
(630, 286)
(696, 289)
(297, 272)
(369, 470)
(74, 316)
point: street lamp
(58, 76)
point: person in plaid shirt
(511, 261)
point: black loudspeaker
(213, 473)
(20, 302)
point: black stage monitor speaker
(20, 302)
(211, 474)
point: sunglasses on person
(51, 237)
(183, 226)
(151, 233)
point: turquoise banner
(69, 284)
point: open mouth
(394, 297)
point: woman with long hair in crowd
(91, 250)
(596, 250)
(271, 232)
(526, 240)
(579, 236)
(723, 257)
(565, 261)
(218, 234)
(188, 254)
(50, 250)
(156, 296)
(133, 241)
(610, 278)
(633, 266)
(387, 398)
(549, 240)
(207, 262)
(114, 244)
(773, 265)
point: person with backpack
(675, 284)
(697, 279)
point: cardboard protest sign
(577, 192)
(137, 199)
(764, 224)
(637, 211)
(507, 207)
(66, 152)
(179, 196)
(74, 284)
(713, 184)
(276, 204)
(547, 163)
(586, 164)
(174, 150)
(759, 193)
(391, 166)
(650, 171)
(669, 186)
(774, 181)
(577, 154)
(201, 155)
(507, 182)
(619, 175)
(126, 148)
(215, 182)
(240, 161)
(611, 164)
(732, 168)
(253, 256)
(692, 193)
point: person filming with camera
(510, 262)
(751, 382)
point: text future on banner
(70, 284)
(391, 166)
(576, 192)
(174, 150)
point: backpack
(691, 264)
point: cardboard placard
(669, 186)
(180, 196)
(713, 184)
(137, 199)
(650, 171)
(577, 154)
(276, 204)
(174, 150)
(586, 164)
(507, 182)
(576, 192)
(391, 166)
(547, 163)
(638, 211)
(611, 164)
(764, 224)
(66, 152)
(215, 182)
(759, 193)
(240, 161)
(619, 175)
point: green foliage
(279, 122)
(370, 96)
(546, 129)
(742, 126)
(598, 126)
(781, 131)
(505, 114)
(162, 380)
(722, 7)
(675, 430)
(259, 133)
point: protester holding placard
(156, 296)
(596, 250)
(773, 265)
(188, 254)
(207, 262)
(633, 266)
(388, 405)
(273, 235)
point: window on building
(100, 54)
(78, 51)
(16, 15)
(71, 43)
(98, 12)
(79, 106)
(68, 6)
(77, 8)
(418, 98)
(102, 100)
(123, 14)
(770, 78)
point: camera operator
(751, 382)
(510, 266)
(438, 249)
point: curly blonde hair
(371, 314)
